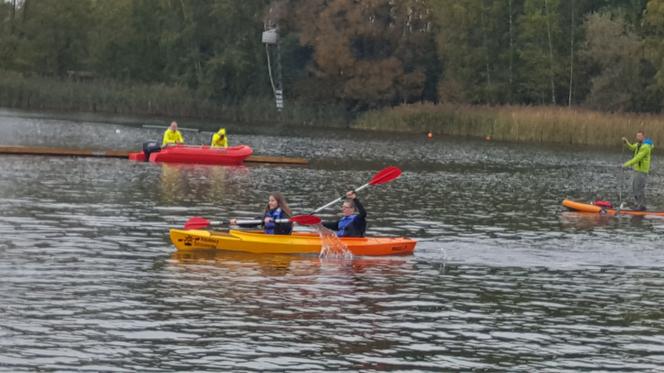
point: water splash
(331, 245)
(443, 262)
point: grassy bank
(38, 93)
(510, 123)
(516, 123)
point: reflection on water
(182, 179)
(242, 263)
(502, 278)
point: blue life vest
(274, 214)
(344, 223)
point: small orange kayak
(591, 208)
(297, 243)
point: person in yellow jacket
(219, 139)
(640, 163)
(172, 135)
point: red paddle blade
(196, 223)
(305, 219)
(385, 175)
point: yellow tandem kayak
(297, 243)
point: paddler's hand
(624, 139)
(351, 195)
(232, 222)
(267, 220)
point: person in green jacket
(640, 163)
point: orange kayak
(297, 243)
(590, 208)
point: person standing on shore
(172, 135)
(640, 163)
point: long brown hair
(281, 203)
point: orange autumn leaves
(365, 53)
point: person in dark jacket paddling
(276, 208)
(353, 223)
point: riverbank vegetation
(154, 99)
(340, 60)
(540, 124)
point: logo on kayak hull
(196, 242)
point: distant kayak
(201, 154)
(296, 243)
(604, 210)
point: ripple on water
(502, 279)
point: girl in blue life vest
(353, 223)
(276, 208)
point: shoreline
(156, 103)
(113, 98)
(519, 124)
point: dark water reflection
(502, 279)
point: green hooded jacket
(642, 155)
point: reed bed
(42, 93)
(536, 124)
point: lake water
(502, 278)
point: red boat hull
(234, 155)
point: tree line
(369, 54)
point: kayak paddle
(198, 222)
(381, 177)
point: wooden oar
(381, 177)
(198, 222)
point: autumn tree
(52, 36)
(538, 55)
(475, 42)
(366, 54)
(654, 47)
(617, 52)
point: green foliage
(360, 55)
(53, 36)
(616, 51)
(38, 93)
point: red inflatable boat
(201, 154)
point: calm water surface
(502, 279)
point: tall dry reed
(538, 124)
(42, 93)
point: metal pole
(279, 94)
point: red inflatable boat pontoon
(201, 154)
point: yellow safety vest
(219, 139)
(172, 137)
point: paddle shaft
(339, 199)
(241, 222)
(622, 182)
(622, 179)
